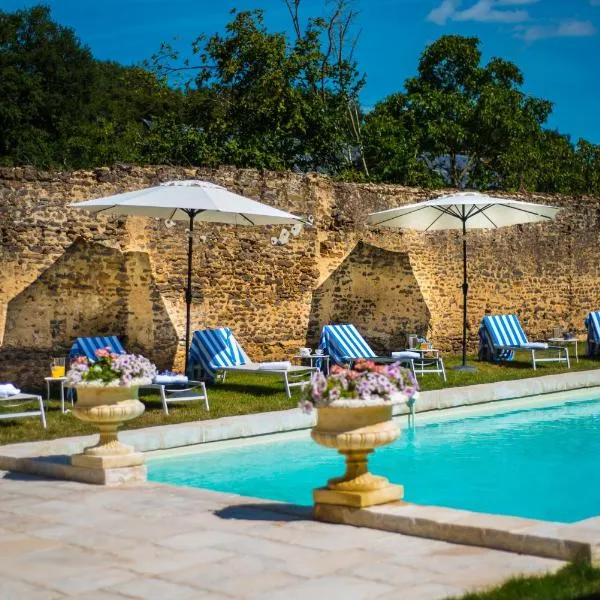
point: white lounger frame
(17, 400)
(295, 376)
(425, 365)
(185, 393)
(563, 354)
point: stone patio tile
(100, 595)
(57, 563)
(201, 539)
(212, 573)
(154, 589)
(334, 562)
(23, 523)
(269, 549)
(425, 591)
(256, 585)
(320, 540)
(399, 545)
(11, 589)
(18, 544)
(348, 588)
(85, 538)
(153, 560)
(89, 581)
(393, 574)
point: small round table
(61, 382)
(573, 340)
(313, 357)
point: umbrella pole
(188, 291)
(465, 289)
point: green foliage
(251, 97)
(62, 108)
(577, 580)
(260, 100)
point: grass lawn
(244, 394)
(574, 582)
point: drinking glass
(557, 332)
(57, 367)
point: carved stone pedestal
(355, 433)
(107, 408)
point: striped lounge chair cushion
(505, 331)
(592, 322)
(87, 346)
(343, 342)
(213, 349)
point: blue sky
(556, 43)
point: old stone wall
(65, 273)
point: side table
(313, 357)
(574, 341)
(61, 382)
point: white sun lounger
(216, 351)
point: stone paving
(62, 539)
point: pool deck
(62, 539)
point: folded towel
(406, 354)
(162, 379)
(8, 389)
(535, 346)
(283, 365)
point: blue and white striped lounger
(216, 351)
(87, 346)
(501, 335)
(344, 344)
(592, 324)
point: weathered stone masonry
(65, 273)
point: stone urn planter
(107, 408)
(355, 431)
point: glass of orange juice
(57, 367)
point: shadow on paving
(275, 511)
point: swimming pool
(541, 463)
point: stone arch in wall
(376, 290)
(92, 289)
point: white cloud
(567, 28)
(444, 12)
(483, 11)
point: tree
(262, 100)
(62, 108)
(471, 115)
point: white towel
(8, 389)
(283, 365)
(163, 379)
(406, 354)
(535, 346)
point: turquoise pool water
(542, 463)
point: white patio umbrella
(464, 210)
(190, 200)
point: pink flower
(103, 353)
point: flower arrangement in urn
(111, 370)
(107, 396)
(365, 384)
(354, 416)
